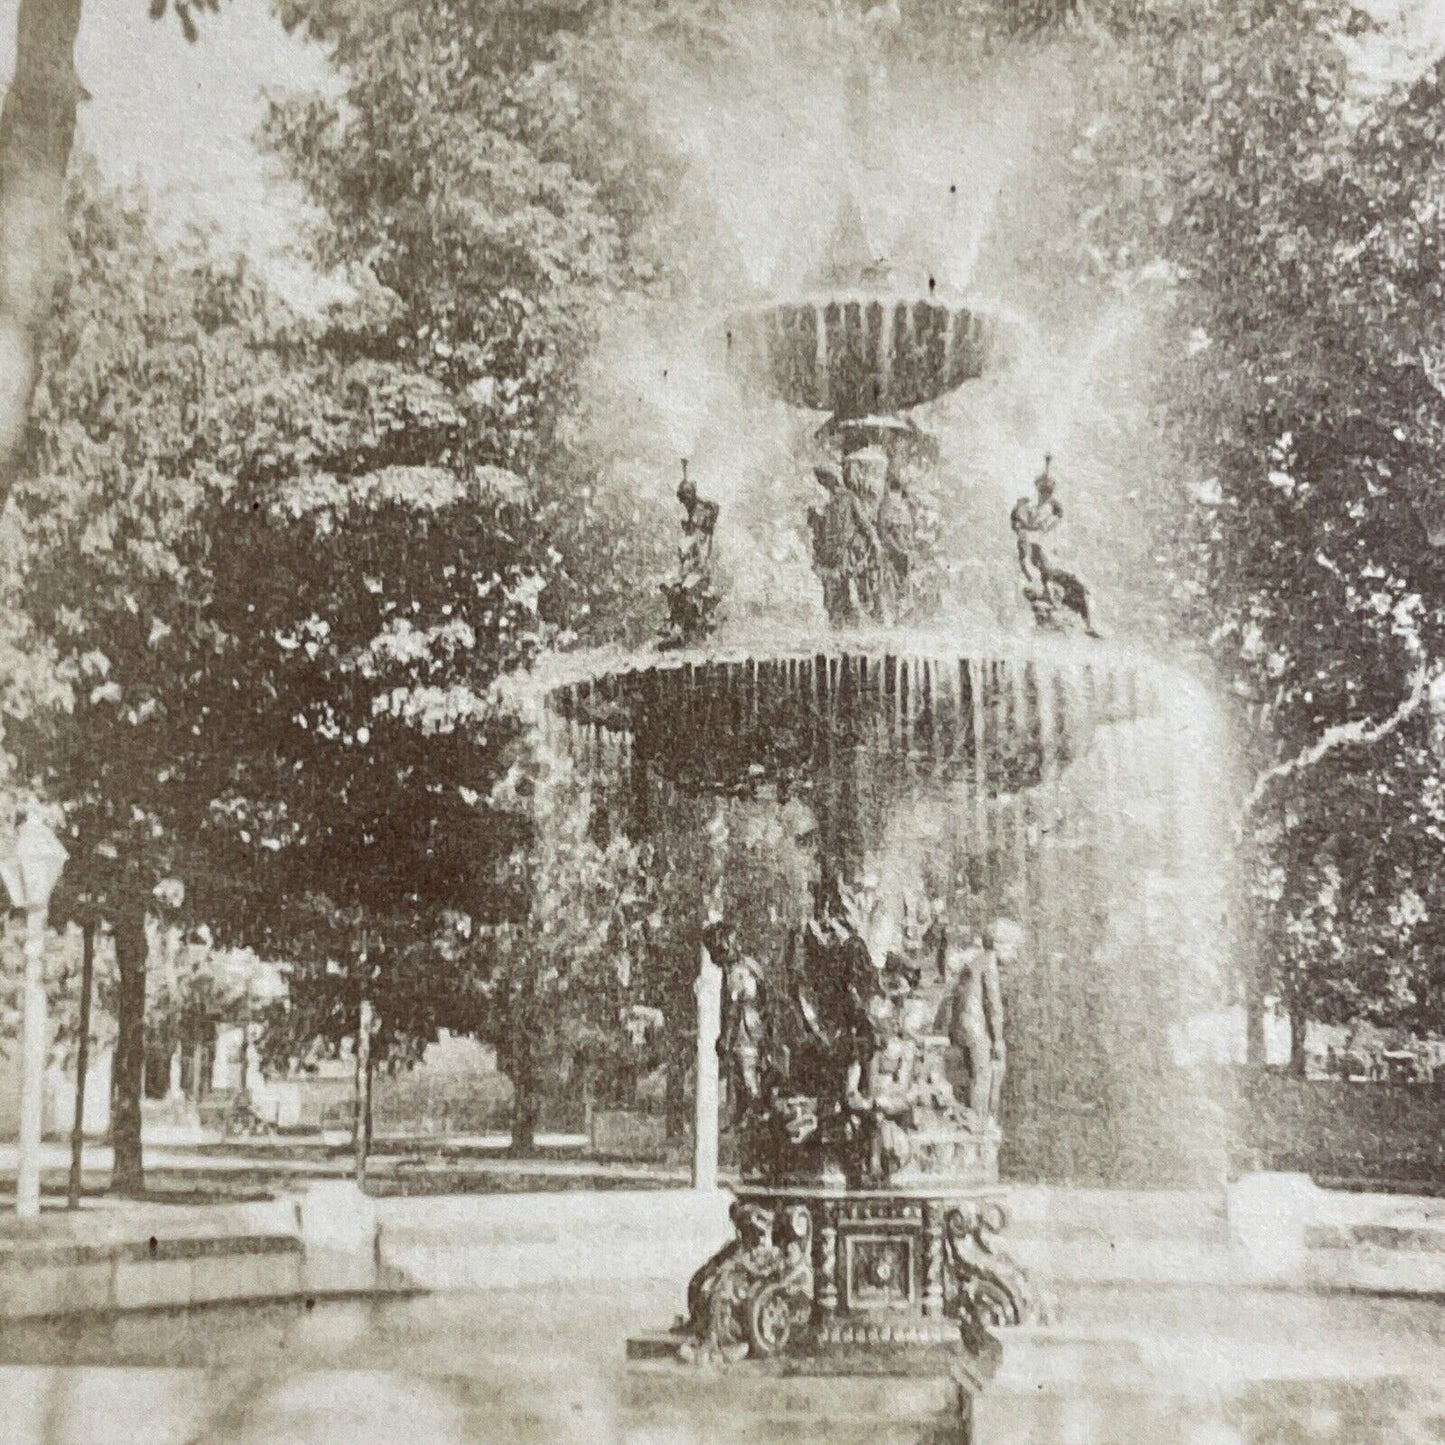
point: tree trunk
(525, 1104)
(1254, 1045)
(37, 129)
(82, 1059)
(1298, 1025)
(370, 1103)
(128, 1067)
(678, 1097)
(361, 1114)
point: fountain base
(844, 1279)
(906, 1403)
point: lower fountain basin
(541, 1365)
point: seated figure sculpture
(837, 1067)
(879, 1097)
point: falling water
(1070, 792)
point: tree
(108, 580)
(37, 129)
(429, 528)
(1284, 217)
(554, 983)
(371, 583)
(487, 171)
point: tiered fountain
(947, 830)
(909, 851)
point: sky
(180, 118)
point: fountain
(866, 352)
(961, 890)
(958, 887)
(912, 799)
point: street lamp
(30, 874)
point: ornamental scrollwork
(755, 1295)
(989, 1289)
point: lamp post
(30, 874)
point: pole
(705, 1122)
(32, 1079)
(363, 1089)
(82, 1059)
(245, 1081)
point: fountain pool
(521, 1366)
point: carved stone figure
(973, 1015)
(743, 1035)
(832, 526)
(755, 1293)
(862, 539)
(1047, 586)
(832, 980)
(879, 1096)
(896, 535)
(989, 1290)
(699, 523)
(692, 600)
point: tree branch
(1358, 733)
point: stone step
(1320, 1411)
(759, 1401)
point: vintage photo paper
(722, 719)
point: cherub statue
(973, 1015)
(741, 1040)
(699, 523)
(878, 1095)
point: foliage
(556, 982)
(427, 526)
(1283, 219)
(107, 553)
(484, 179)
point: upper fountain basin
(858, 353)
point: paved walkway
(172, 1166)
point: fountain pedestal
(841, 1315)
(852, 1278)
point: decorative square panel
(880, 1270)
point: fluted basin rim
(556, 670)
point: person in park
(1047, 586)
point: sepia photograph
(722, 720)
